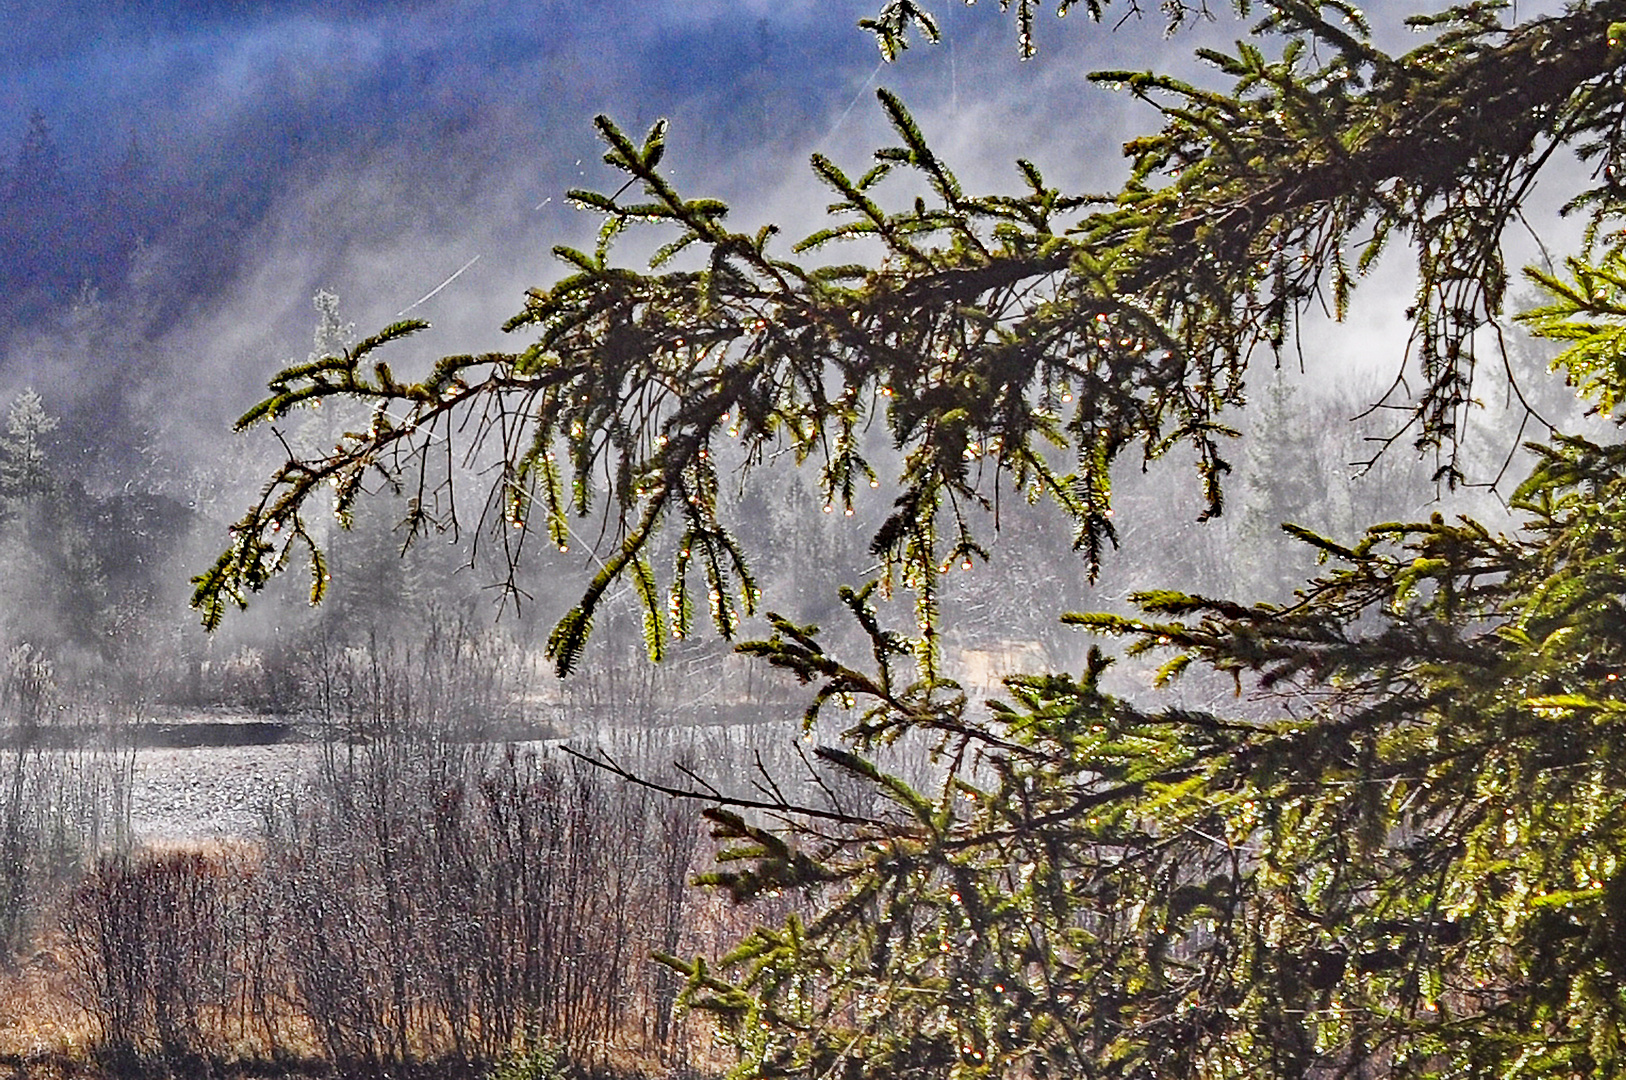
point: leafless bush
(58, 806)
(429, 896)
(459, 901)
(156, 942)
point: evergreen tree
(1283, 478)
(38, 181)
(52, 590)
(1413, 869)
(1313, 461)
(124, 216)
(23, 471)
(321, 430)
(1411, 865)
(995, 324)
(40, 226)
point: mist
(185, 179)
(194, 195)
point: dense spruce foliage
(1403, 858)
(992, 330)
(1409, 865)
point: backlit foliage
(1415, 865)
(1407, 863)
(1011, 343)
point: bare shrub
(430, 896)
(155, 941)
(448, 899)
(58, 806)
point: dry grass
(49, 1025)
(44, 1035)
(38, 1018)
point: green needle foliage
(1016, 341)
(1416, 868)
(1411, 865)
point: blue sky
(294, 83)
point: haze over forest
(181, 180)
